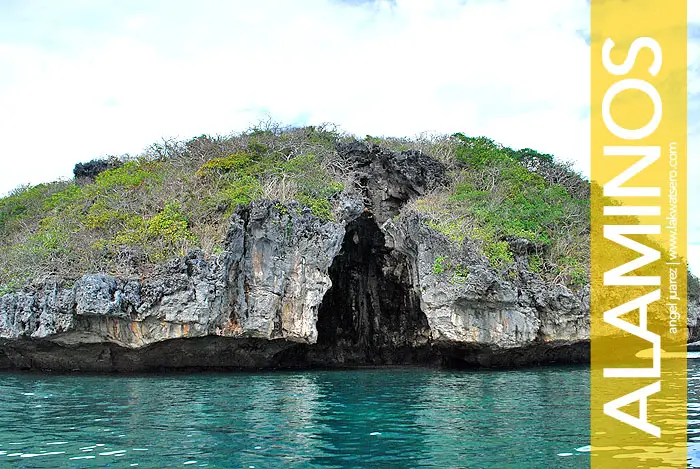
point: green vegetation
(237, 162)
(535, 263)
(181, 195)
(498, 195)
(174, 197)
(498, 253)
(458, 272)
(438, 268)
(133, 174)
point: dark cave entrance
(371, 314)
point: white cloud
(388, 69)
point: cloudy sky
(81, 79)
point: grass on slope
(174, 197)
(499, 194)
(180, 195)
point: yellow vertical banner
(638, 234)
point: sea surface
(407, 417)
(532, 418)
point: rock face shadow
(371, 315)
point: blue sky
(81, 79)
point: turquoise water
(535, 418)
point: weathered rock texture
(293, 291)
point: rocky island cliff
(379, 255)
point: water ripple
(403, 418)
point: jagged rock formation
(291, 290)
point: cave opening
(372, 314)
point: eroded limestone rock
(291, 290)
